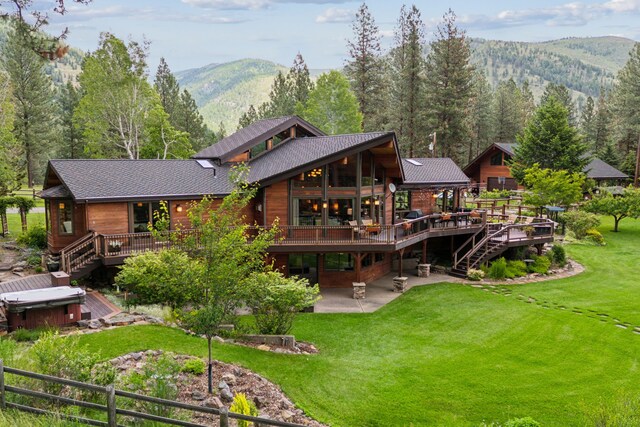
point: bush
(595, 236)
(516, 269)
(35, 259)
(475, 275)
(25, 335)
(35, 237)
(522, 422)
(558, 255)
(244, 406)
(495, 194)
(275, 300)
(194, 366)
(579, 222)
(540, 265)
(498, 269)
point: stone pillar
(399, 284)
(424, 270)
(359, 290)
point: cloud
(78, 14)
(253, 4)
(335, 15)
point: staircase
(80, 258)
(485, 244)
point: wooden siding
(423, 200)
(53, 316)
(58, 241)
(345, 279)
(108, 218)
(181, 219)
(277, 202)
(242, 157)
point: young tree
(32, 100)
(116, 99)
(449, 85)
(24, 205)
(332, 107)
(162, 140)
(72, 145)
(365, 70)
(549, 141)
(407, 89)
(619, 207)
(548, 187)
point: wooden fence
(110, 409)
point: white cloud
(253, 4)
(333, 15)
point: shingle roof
(298, 152)
(127, 179)
(433, 171)
(250, 135)
(596, 169)
(57, 192)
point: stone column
(359, 290)
(424, 270)
(399, 284)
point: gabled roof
(256, 132)
(596, 169)
(432, 172)
(104, 180)
(291, 156)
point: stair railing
(78, 253)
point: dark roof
(596, 169)
(432, 171)
(57, 192)
(136, 179)
(249, 136)
(291, 155)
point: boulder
(213, 402)
(226, 395)
(229, 378)
(198, 395)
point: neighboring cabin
(490, 170)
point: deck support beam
(401, 252)
(423, 258)
(358, 259)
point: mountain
(224, 91)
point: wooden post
(423, 259)
(358, 257)
(400, 262)
(224, 417)
(111, 406)
(2, 398)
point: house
(340, 201)
(490, 169)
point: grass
(15, 226)
(448, 354)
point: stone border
(572, 268)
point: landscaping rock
(229, 378)
(226, 395)
(136, 356)
(263, 347)
(198, 395)
(286, 415)
(94, 324)
(83, 323)
(222, 385)
(213, 402)
(17, 269)
(259, 401)
(20, 264)
(219, 339)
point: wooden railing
(499, 235)
(110, 409)
(78, 253)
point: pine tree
(299, 80)
(562, 94)
(508, 114)
(587, 123)
(601, 126)
(72, 145)
(10, 153)
(449, 85)
(187, 118)
(408, 82)
(33, 101)
(248, 117)
(281, 102)
(366, 69)
(167, 87)
(481, 119)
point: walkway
(378, 293)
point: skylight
(204, 163)
(414, 162)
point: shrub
(275, 300)
(193, 366)
(559, 255)
(35, 237)
(540, 265)
(475, 275)
(498, 269)
(24, 335)
(34, 259)
(522, 422)
(516, 269)
(595, 236)
(495, 194)
(244, 406)
(579, 222)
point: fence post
(111, 406)
(224, 417)
(2, 398)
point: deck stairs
(81, 257)
(487, 243)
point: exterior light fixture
(336, 206)
(139, 204)
(367, 202)
(178, 208)
(315, 207)
(349, 211)
(61, 205)
(325, 205)
(345, 161)
(377, 202)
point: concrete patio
(378, 293)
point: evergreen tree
(187, 118)
(167, 87)
(366, 69)
(407, 89)
(281, 102)
(562, 94)
(481, 120)
(508, 111)
(72, 145)
(248, 117)
(299, 80)
(550, 141)
(601, 127)
(10, 153)
(587, 123)
(528, 102)
(449, 85)
(33, 96)
(332, 106)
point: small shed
(57, 306)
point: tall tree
(33, 101)
(626, 108)
(299, 80)
(601, 126)
(563, 95)
(407, 89)
(167, 87)
(72, 144)
(365, 70)
(549, 141)
(116, 98)
(248, 117)
(280, 103)
(587, 123)
(480, 116)
(10, 152)
(332, 106)
(508, 111)
(187, 118)
(449, 85)
(162, 140)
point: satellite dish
(392, 188)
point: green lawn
(15, 226)
(450, 354)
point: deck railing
(78, 253)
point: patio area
(378, 292)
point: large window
(307, 212)
(65, 217)
(496, 159)
(338, 262)
(340, 211)
(343, 172)
(142, 214)
(309, 179)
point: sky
(194, 33)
